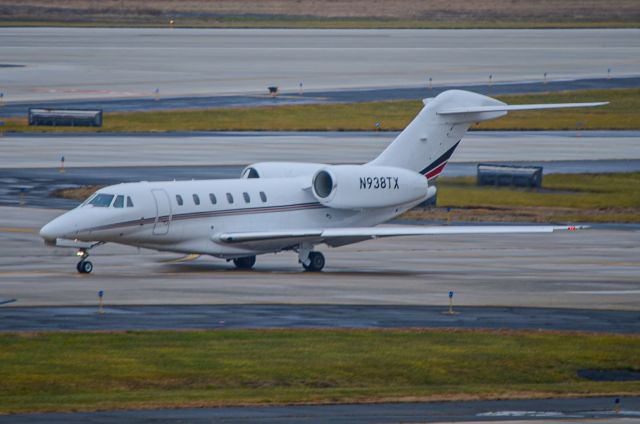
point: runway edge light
(451, 311)
(100, 305)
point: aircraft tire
(246, 262)
(84, 267)
(316, 262)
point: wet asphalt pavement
(256, 316)
(550, 410)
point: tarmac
(28, 179)
(216, 149)
(257, 316)
(105, 63)
(552, 411)
(588, 269)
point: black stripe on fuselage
(211, 214)
(445, 156)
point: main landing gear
(316, 262)
(84, 266)
(246, 262)
(310, 260)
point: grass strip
(89, 371)
(323, 13)
(622, 114)
(562, 198)
(320, 23)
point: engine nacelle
(365, 186)
(280, 169)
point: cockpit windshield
(101, 200)
(105, 200)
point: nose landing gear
(84, 266)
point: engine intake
(323, 184)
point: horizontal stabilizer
(510, 108)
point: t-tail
(428, 142)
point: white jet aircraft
(290, 206)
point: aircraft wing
(348, 235)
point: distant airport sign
(65, 117)
(509, 175)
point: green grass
(580, 191)
(622, 114)
(333, 117)
(89, 371)
(563, 198)
(324, 13)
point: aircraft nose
(50, 231)
(56, 229)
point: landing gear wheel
(84, 267)
(316, 262)
(245, 263)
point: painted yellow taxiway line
(18, 230)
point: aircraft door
(163, 211)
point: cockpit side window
(129, 202)
(119, 202)
(102, 200)
(179, 200)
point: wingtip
(571, 227)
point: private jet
(284, 206)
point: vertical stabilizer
(430, 139)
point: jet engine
(280, 169)
(365, 186)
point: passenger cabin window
(179, 199)
(129, 202)
(212, 198)
(247, 199)
(263, 197)
(229, 198)
(102, 200)
(196, 199)
(119, 202)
